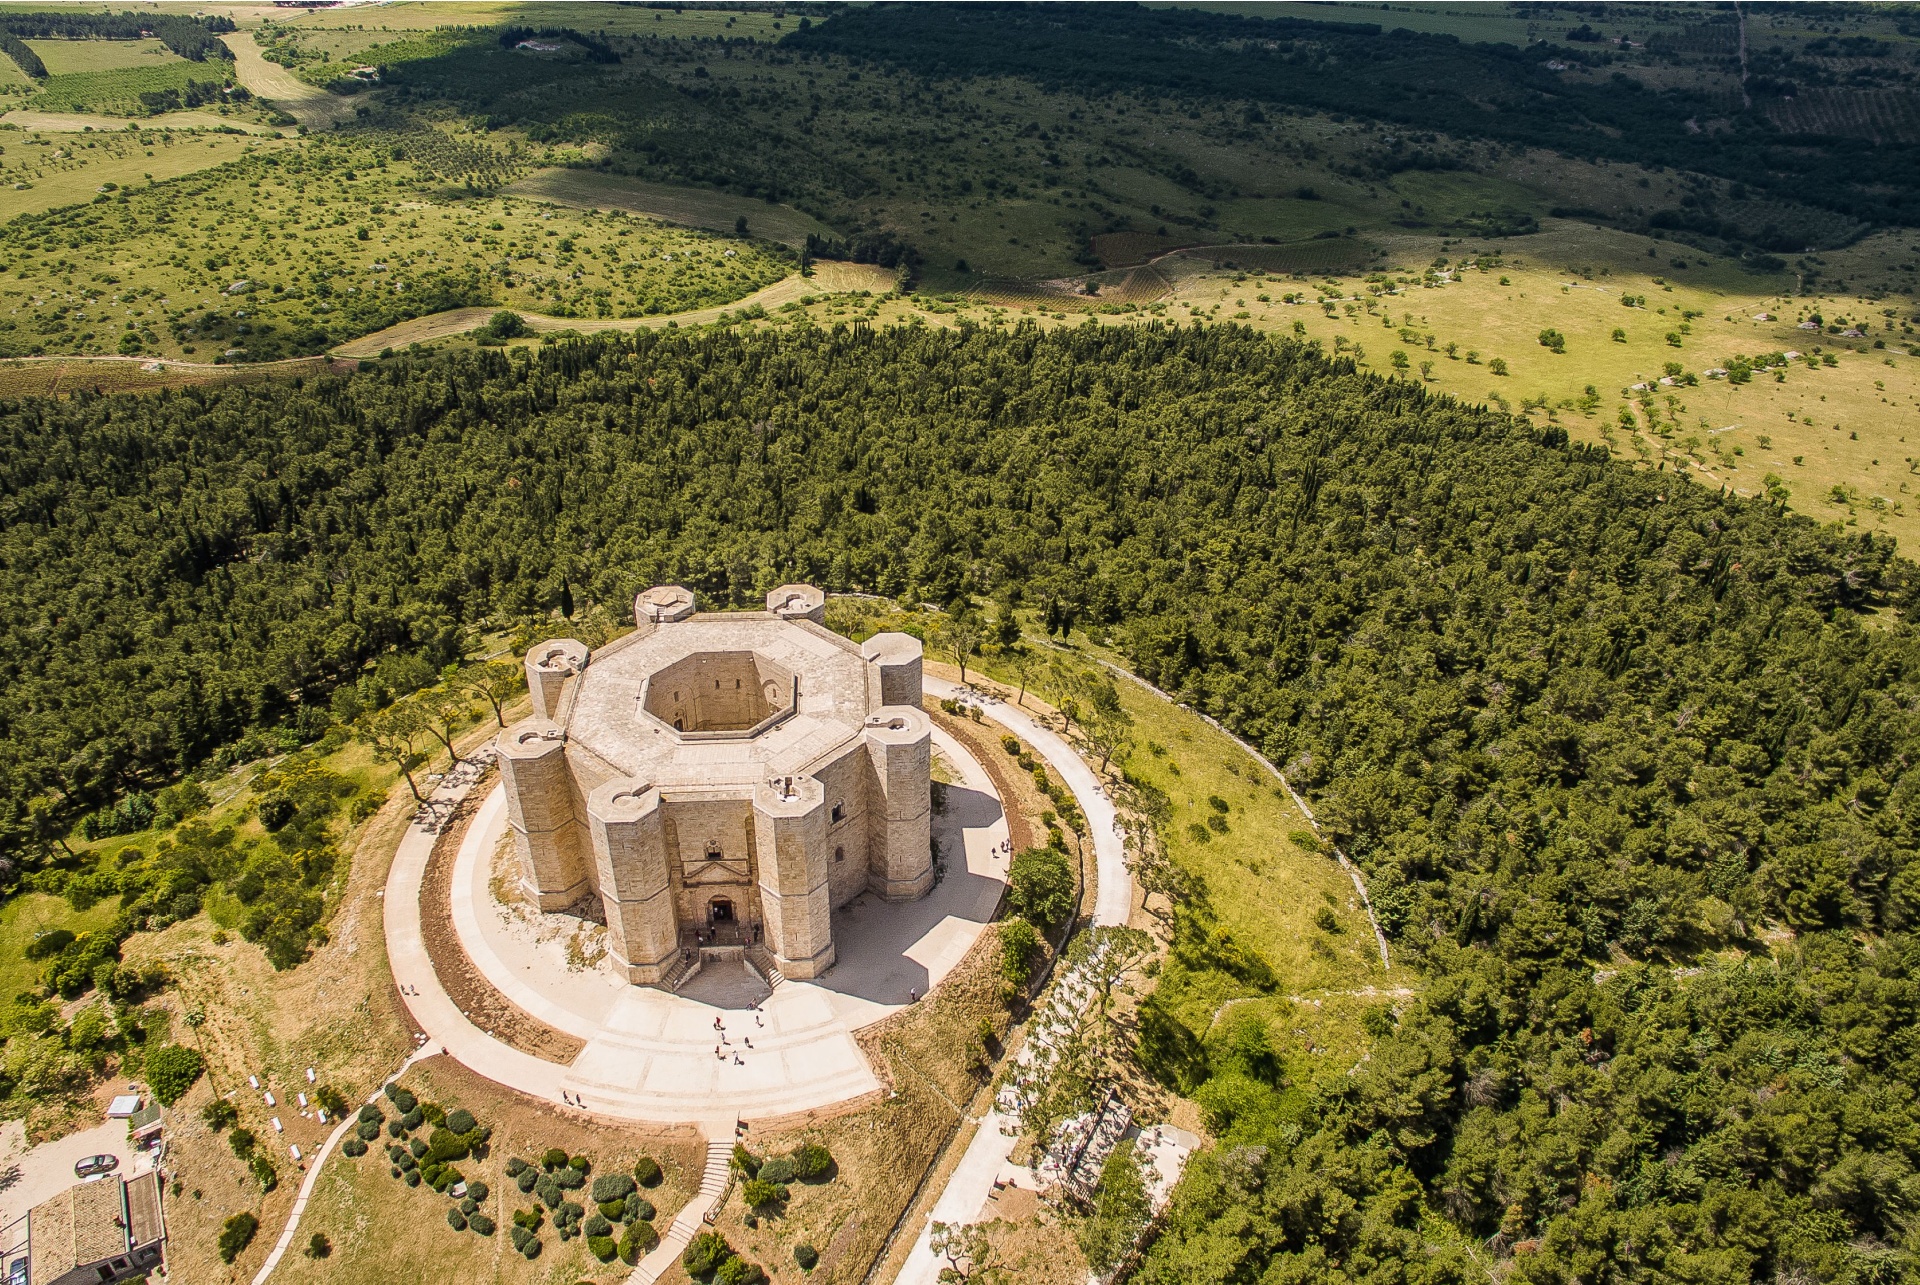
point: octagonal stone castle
(722, 779)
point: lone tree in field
(441, 713)
(960, 638)
(394, 735)
(496, 682)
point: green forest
(1622, 757)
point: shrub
(411, 1177)
(745, 1161)
(236, 1234)
(611, 1186)
(318, 1246)
(526, 1242)
(738, 1271)
(646, 1171)
(460, 1120)
(241, 1140)
(569, 1178)
(515, 1167)
(477, 1191)
(805, 1255)
(1019, 950)
(602, 1247)
(580, 1165)
(395, 1129)
(812, 1161)
(413, 1119)
(613, 1210)
(171, 1071)
(368, 1130)
(372, 1113)
(480, 1223)
(760, 1193)
(640, 1238)
(402, 1100)
(354, 1147)
(1040, 886)
(549, 1191)
(417, 1149)
(554, 1158)
(1323, 920)
(639, 1207)
(706, 1251)
(456, 1220)
(469, 1206)
(777, 1170)
(596, 1225)
(527, 1180)
(218, 1114)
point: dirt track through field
(827, 278)
(315, 107)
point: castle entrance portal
(719, 911)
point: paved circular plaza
(723, 1045)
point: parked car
(94, 1166)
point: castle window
(839, 854)
(839, 813)
(713, 849)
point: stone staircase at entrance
(713, 1185)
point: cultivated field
(71, 57)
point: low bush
(596, 1225)
(639, 1239)
(515, 1166)
(371, 1113)
(460, 1120)
(603, 1248)
(555, 1158)
(738, 1271)
(354, 1147)
(477, 1191)
(779, 1170)
(171, 1071)
(805, 1255)
(611, 1186)
(646, 1171)
(236, 1234)
(526, 1242)
(480, 1223)
(745, 1161)
(218, 1114)
(759, 1193)
(456, 1220)
(812, 1161)
(705, 1252)
(1040, 886)
(402, 1100)
(368, 1130)
(639, 1209)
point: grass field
(71, 57)
(60, 169)
(26, 916)
(690, 206)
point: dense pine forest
(1579, 723)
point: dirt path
(315, 108)
(827, 278)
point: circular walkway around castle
(650, 1054)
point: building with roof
(721, 779)
(111, 1229)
